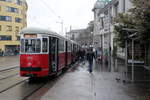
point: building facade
(82, 36)
(104, 14)
(12, 19)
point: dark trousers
(90, 66)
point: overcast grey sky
(75, 13)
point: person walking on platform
(90, 56)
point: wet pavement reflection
(78, 84)
(101, 84)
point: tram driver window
(30, 46)
(44, 45)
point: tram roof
(33, 30)
(36, 30)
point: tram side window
(44, 45)
(69, 47)
(38, 46)
(61, 46)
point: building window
(21, 12)
(18, 38)
(18, 20)
(19, 2)
(5, 37)
(5, 18)
(0, 8)
(116, 9)
(12, 9)
(9, 28)
(6, 0)
(0, 28)
(16, 29)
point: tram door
(54, 54)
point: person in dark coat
(90, 56)
(79, 53)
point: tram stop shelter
(135, 57)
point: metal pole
(101, 49)
(126, 57)
(109, 54)
(62, 27)
(132, 60)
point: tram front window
(30, 45)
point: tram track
(5, 74)
(27, 89)
(13, 85)
(19, 88)
(9, 80)
(8, 76)
(9, 68)
(34, 91)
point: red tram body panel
(69, 58)
(34, 65)
(61, 60)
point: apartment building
(12, 19)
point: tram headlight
(29, 63)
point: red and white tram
(43, 52)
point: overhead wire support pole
(61, 26)
(132, 60)
(126, 56)
(109, 34)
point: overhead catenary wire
(49, 8)
(51, 13)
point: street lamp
(62, 24)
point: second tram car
(43, 52)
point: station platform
(101, 84)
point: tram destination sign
(30, 36)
